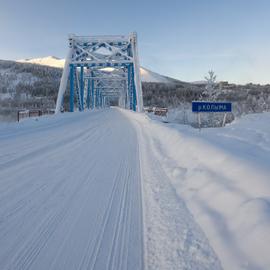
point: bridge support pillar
(93, 95)
(88, 93)
(96, 98)
(71, 94)
(82, 89)
(133, 89)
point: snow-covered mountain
(52, 61)
(150, 76)
(199, 82)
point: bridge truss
(101, 70)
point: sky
(182, 39)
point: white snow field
(223, 176)
(113, 189)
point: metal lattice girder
(98, 63)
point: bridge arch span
(102, 69)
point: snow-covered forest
(27, 85)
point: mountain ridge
(53, 61)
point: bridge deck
(69, 197)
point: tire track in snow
(93, 262)
(50, 195)
(77, 137)
(173, 240)
(49, 213)
(31, 249)
(51, 124)
(46, 155)
(91, 255)
(9, 193)
(115, 242)
(43, 223)
(76, 142)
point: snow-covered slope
(146, 75)
(150, 76)
(51, 61)
(199, 82)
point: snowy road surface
(71, 198)
(108, 190)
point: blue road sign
(203, 106)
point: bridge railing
(157, 110)
(21, 114)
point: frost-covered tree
(261, 103)
(211, 82)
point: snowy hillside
(150, 76)
(52, 61)
(26, 86)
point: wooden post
(224, 120)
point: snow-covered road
(69, 197)
(85, 191)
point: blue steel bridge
(102, 69)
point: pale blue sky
(181, 39)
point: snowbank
(223, 175)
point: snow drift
(223, 175)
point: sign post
(205, 106)
(199, 120)
(224, 120)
